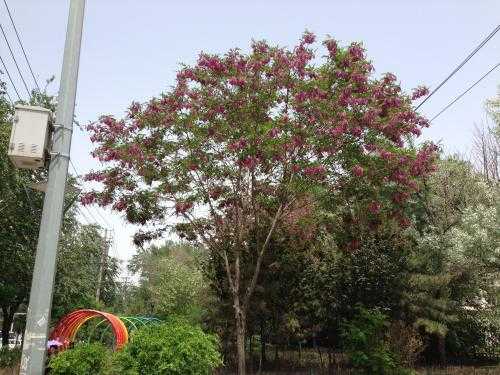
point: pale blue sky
(131, 50)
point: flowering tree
(242, 138)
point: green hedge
(174, 348)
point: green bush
(9, 357)
(475, 335)
(83, 359)
(172, 348)
(366, 346)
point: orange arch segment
(67, 328)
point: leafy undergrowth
(9, 358)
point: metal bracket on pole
(60, 126)
(56, 154)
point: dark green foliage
(83, 359)
(334, 281)
(366, 343)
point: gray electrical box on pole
(40, 303)
(28, 138)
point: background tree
(486, 143)
(78, 265)
(241, 137)
(170, 281)
(20, 212)
(486, 151)
(455, 258)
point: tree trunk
(262, 344)
(300, 353)
(8, 317)
(250, 352)
(240, 317)
(442, 350)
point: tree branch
(260, 256)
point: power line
(15, 61)
(21, 44)
(106, 223)
(85, 207)
(461, 64)
(465, 92)
(83, 215)
(103, 219)
(74, 168)
(10, 78)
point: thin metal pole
(38, 319)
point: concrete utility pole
(104, 257)
(38, 319)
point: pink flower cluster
(88, 198)
(400, 197)
(134, 109)
(308, 37)
(301, 58)
(273, 132)
(212, 63)
(356, 52)
(314, 94)
(120, 205)
(332, 47)
(238, 145)
(374, 207)
(358, 170)
(315, 171)
(424, 162)
(235, 81)
(186, 74)
(182, 207)
(419, 92)
(95, 176)
(249, 162)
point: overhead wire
(15, 61)
(74, 168)
(481, 45)
(21, 44)
(83, 215)
(10, 78)
(103, 219)
(465, 92)
(106, 223)
(85, 207)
